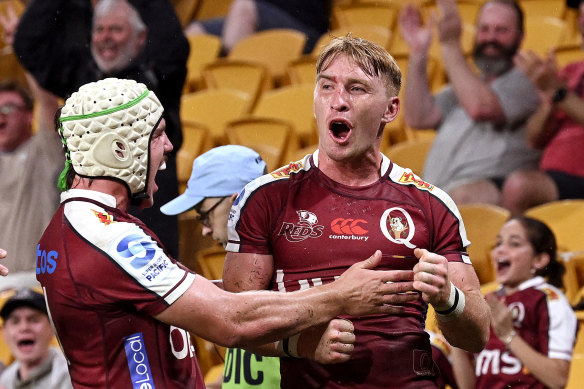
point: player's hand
(364, 291)
(431, 277)
(3, 269)
(329, 343)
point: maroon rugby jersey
(104, 276)
(545, 320)
(316, 228)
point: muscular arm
(470, 331)
(433, 274)
(258, 317)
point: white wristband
(454, 307)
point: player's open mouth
(340, 129)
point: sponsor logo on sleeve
(286, 170)
(410, 178)
(104, 218)
(142, 256)
(307, 227)
(397, 225)
(349, 229)
(138, 362)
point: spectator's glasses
(204, 215)
(8, 109)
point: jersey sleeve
(127, 264)
(252, 215)
(563, 325)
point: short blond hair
(372, 58)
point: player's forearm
(470, 330)
(264, 316)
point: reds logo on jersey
(306, 227)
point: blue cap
(219, 172)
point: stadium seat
(371, 32)
(538, 8)
(410, 154)
(196, 140)
(482, 223)
(214, 108)
(249, 77)
(210, 262)
(293, 103)
(564, 218)
(378, 14)
(205, 48)
(273, 139)
(212, 9)
(543, 33)
(302, 71)
(185, 10)
(273, 48)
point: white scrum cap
(106, 127)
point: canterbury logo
(348, 226)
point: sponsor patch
(104, 218)
(286, 170)
(141, 256)
(138, 364)
(349, 229)
(410, 178)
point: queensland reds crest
(397, 226)
(306, 227)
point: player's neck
(359, 172)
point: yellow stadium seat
(538, 8)
(564, 218)
(273, 139)
(576, 377)
(371, 32)
(273, 48)
(302, 70)
(293, 103)
(566, 55)
(214, 108)
(249, 77)
(210, 262)
(205, 48)
(378, 14)
(212, 9)
(543, 33)
(196, 140)
(482, 223)
(410, 154)
(185, 10)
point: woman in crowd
(533, 327)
